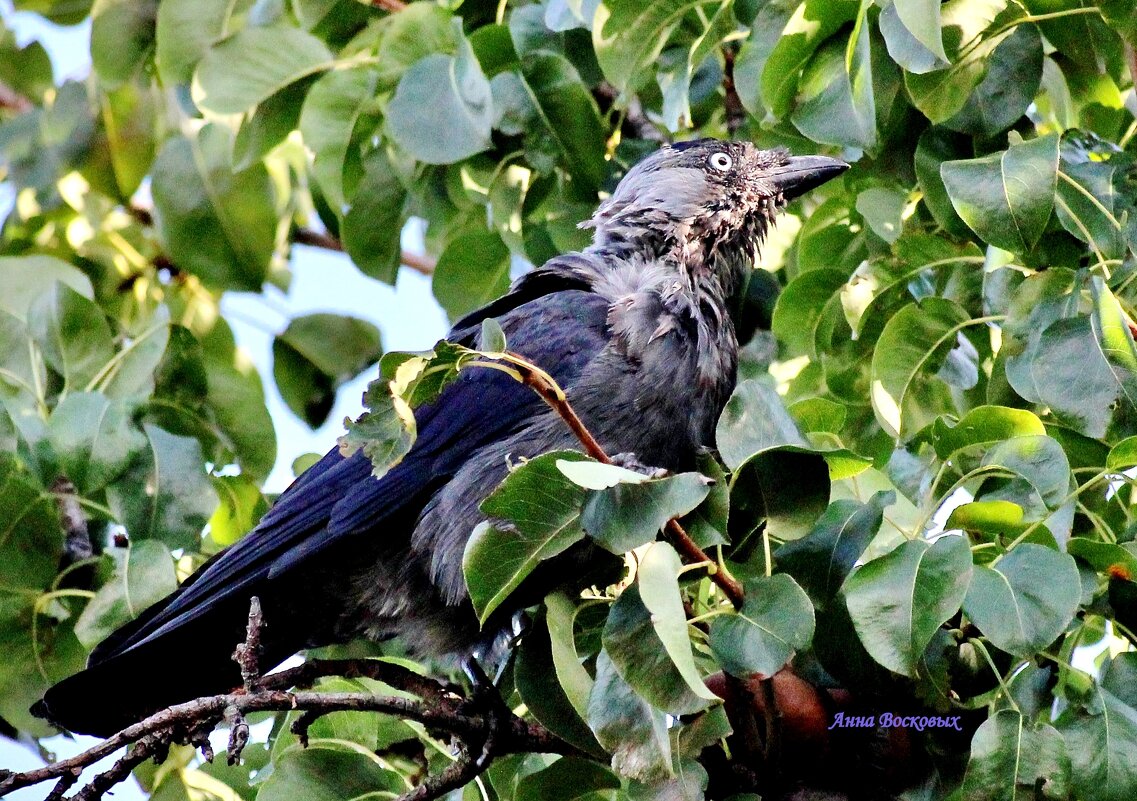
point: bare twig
(247, 655)
(735, 112)
(389, 5)
(77, 541)
(142, 750)
(13, 100)
(306, 236)
(554, 396)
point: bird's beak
(802, 173)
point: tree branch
(191, 722)
(392, 6)
(13, 100)
(544, 385)
(735, 112)
(317, 239)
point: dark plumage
(635, 328)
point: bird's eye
(720, 161)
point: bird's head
(706, 202)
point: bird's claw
(629, 461)
(486, 699)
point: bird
(636, 328)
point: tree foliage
(922, 482)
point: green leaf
(166, 495)
(907, 393)
(95, 439)
(25, 278)
(240, 508)
(1085, 370)
(983, 425)
(328, 773)
(237, 400)
(922, 19)
(542, 511)
(472, 271)
(568, 114)
(882, 209)
(658, 581)
(1023, 602)
(1103, 556)
(122, 35)
(1007, 197)
(640, 655)
(1085, 206)
(144, 574)
(185, 30)
(812, 23)
(1040, 460)
(1101, 740)
(372, 226)
(784, 488)
(30, 535)
(629, 35)
(560, 616)
(755, 420)
(627, 515)
(328, 117)
(316, 355)
(566, 779)
(935, 146)
(442, 111)
(775, 621)
(73, 335)
(131, 374)
(835, 104)
(1123, 455)
(973, 30)
(899, 600)
(675, 83)
(541, 690)
(1014, 73)
(808, 309)
(821, 561)
(1011, 758)
(626, 725)
(246, 69)
(218, 224)
(267, 125)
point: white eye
(720, 161)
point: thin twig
(11, 99)
(77, 541)
(392, 6)
(554, 396)
(732, 103)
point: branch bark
(192, 721)
(13, 100)
(544, 385)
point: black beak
(802, 173)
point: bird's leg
(629, 461)
(486, 697)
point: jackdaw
(636, 328)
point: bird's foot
(486, 700)
(629, 461)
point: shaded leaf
(898, 601)
(144, 574)
(1023, 602)
(1011, 758)
(775, 621)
